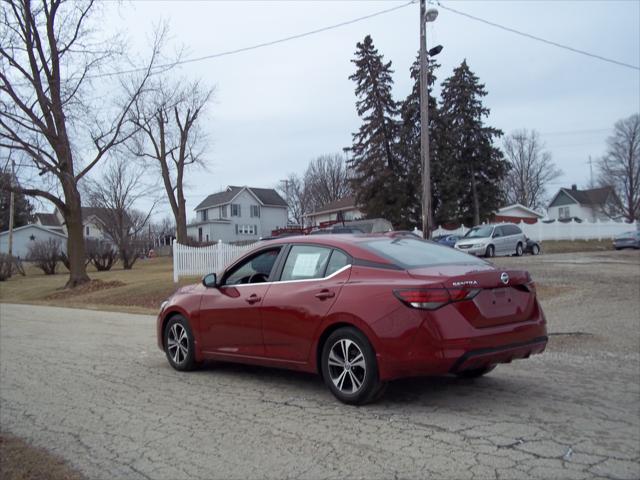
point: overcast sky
(278, 107)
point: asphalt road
(93, 388)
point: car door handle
(323, 294)
(253, 299)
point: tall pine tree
(376, 169)
(409, 148)
(476, 167)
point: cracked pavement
(93, 388)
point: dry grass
(569, 246)
(20, 461)
(140, 290)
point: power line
(539, 39)
(576, 132)
(258, 45)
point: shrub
(45, 255)
(101, 254)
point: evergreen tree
(376, 171)
(22, 209)
(476, 168)
(409, 148)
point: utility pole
(12, 201)
(425, 16)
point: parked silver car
(490, 240)
(627, 240)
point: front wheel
(349, 367)
(179, 344)
(535, 250)
(519, 250)
(490, 252)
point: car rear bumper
(446, 343)
(485, 357)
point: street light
(425, 17)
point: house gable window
(563, 212)
(235, 210)
(255, 211)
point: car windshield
(627, 235)
(410, 253)
(479, 232)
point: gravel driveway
(93, 387)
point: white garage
(26, 235)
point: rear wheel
(491, 251)
(535, 250)
(349, 367)
(519, 250)
(179, 344)
(476, 372)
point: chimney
(574, 187)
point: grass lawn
(140, 290)
(568, 246)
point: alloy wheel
(178, 343)
(347, 366)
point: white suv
(491, 240)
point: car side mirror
(210, 280)
(494, 235)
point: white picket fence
(572, 230)
(190, 261)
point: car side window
(256, 269)
(515, 230)
(337, 261)
(305, 262)
(497, 232)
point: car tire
(535, 250)
(490, 252)
(519, 250)
(475, 372)
(354, 381)
(181, 353)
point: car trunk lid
(501, 296)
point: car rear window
(414, 253)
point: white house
(591, 205)
(517, 213)
(344, 209)
(92, 221)
(238, 214)
(26, 235)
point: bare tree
(531, 169)
(51, 112)
(620, 166)
(115, 194)
(170, 137)
(327, 179)
(296, 193)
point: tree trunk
(75, 239)
(181, 222)
(476, 203)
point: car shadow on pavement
(444, 391)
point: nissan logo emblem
(504, 277)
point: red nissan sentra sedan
(360, 310)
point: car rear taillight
(434, 298)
